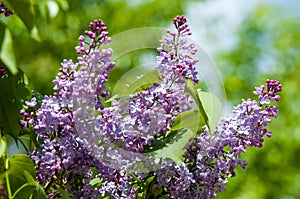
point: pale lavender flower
(176, 60)
(214, 158)
(76, 132)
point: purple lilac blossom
(67, 123)
(151, 112)
(4, 10)
(62, 156)
(213, 158)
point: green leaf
(18, 164)
(212, 107)
(192, 91)
(7, 55)
(155, 145)
(150, 179)
(34, 34)
(24, 191)
(2, 31)
(175, 149)
(64, 194)
(9, 106)
(21, 90)
(29, 178)
(134, 84)
(192, 120)
(24, 9)
(39, 192)
(63, 4)
(3, 146)
(96, 181)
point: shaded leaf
(64, 194)
(24, 191)
(21, 91)
(9, 106)
(17, 165)
(39, 97)
(155, 145)
(39, 192)
(24, 9)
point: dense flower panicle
(81, 139)
(95, 37)
(150, 115)
(178, 180)
(244, 127)
(4, 10)
(176, 60)
(64, 81)
(62, 155)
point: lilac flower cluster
(4, 10)
(150, 115)
(212, 159)
(151, 112)
(176, 60)
(62, 158)
(81, 137)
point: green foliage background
(273, 171)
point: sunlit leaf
(34, 34)
(3, 146)
(192, 91)
(192, 120)
(2, 31)
(7, 55)
(212, 107)
(175, 149)
(136, 85)
(96, 181)
(63, 4)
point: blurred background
(248, 41)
